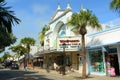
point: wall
(104, 37)
(52, 32)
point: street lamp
(64, 58)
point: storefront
(38, 62)
(103, 47)
(111, 58)
(96, 61)
(102, 59)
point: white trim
(103, 31)
(95, 73)
(104, 61)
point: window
(62, 30)
(62, 34)
(96, 61)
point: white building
(101, 47)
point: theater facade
(102, 48)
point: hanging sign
(71, 44)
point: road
(7, 74)
(42, 74)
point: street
(7, 74)
(42, 74)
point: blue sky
(34, 14)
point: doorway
(114, 62)
(113, 59)
(80, 64)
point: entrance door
(80, 64)
(114, 63)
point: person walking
(55, 66)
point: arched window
(62, 31)
(62, 34)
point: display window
(96, 61)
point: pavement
(1, 67)
(54, 75)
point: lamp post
(64, 58)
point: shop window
(112, 50)
(96, 61)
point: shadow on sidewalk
(48, 70)
(80, 78)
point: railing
(46, 47)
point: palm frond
(115, 5)
(84, 18)
(7, 18)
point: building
(102, 48)
(104, 51)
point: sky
(34, 14)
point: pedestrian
(55, 66)
(25, 67)
(112, 71)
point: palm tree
(80, 21)
(27, 42)
(115, 5)
(6, 55)
(20, 50)
(7, 20)
(42, 34)
(6, 39)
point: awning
(101, 45)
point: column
(103, 53)
(88, 62)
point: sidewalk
(71, 75)
(1, 67)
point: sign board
(72, 43)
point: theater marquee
(72, 44)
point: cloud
(40, 8)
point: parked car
(7, 64)
(15, 66)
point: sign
(72, 44)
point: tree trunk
(84, 57)
(28, 57)
(18, 59)
(28, 48)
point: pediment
(57, 14)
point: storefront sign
(72, 44)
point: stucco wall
(104, 37)
(53, 34)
